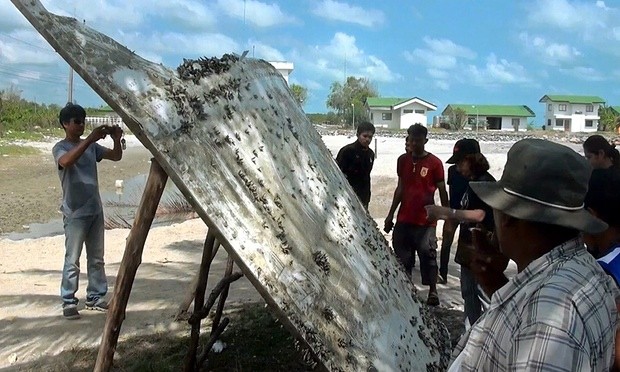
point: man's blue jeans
(79, 232)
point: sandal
(433, 299)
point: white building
(285, 68)
(493, 117)
(398, 113)
(572, 113)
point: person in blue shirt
(603, 201)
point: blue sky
(443, 51)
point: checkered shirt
(559, 314)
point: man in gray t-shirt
(76, 161)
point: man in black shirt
(356, 160)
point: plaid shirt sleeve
(541, 347)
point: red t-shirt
(419, 180)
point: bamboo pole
(129, 265)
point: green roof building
(572, 113)
(494, 117)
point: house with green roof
(398, 113)
(572, 113)
(494, 117)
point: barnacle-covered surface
(232, 138)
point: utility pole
(353, 111)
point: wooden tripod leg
(201, 287)
(191, 291)
(223, 296)
(129, 265)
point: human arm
(443, 194)
(72, 156)
(436, 212)
(396, 199)
(116, 153)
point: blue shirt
(80, 186)
(610, 262)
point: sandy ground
(31, 324)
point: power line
(28, 43)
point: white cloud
(443, 85)
(188, 45)
(498, 72)
(255, 12)
(342, 52)
(265, 51)
(26, 47)
(441, 57)
(340, 11)
(584, 73)
(549, 52)
(10, 18)
(592, 21)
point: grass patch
(254, 342)
(17, 150)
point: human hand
(435, 212)
(98, 133)
(487, 261)
(388, 225)
(115, 132)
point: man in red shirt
(420, 174)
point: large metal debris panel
(235, 142)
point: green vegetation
(254, 342)
(348, 100)
(17, 150)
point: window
(589, 123)
(407, 111)
(589, 108)
(549, 107)
(386, 116)
(420, 112)
(562, 107)
(515, 123)
(559, 122)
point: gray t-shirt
(80, 186)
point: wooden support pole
(191, 291)
(220, 306)
(202, 313)
(201, 287)
(129, 265)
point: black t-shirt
(356, 162)
(471, 201)
(458, 185)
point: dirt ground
(30, 189)
(31, 325)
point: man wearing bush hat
(558, 312)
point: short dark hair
(365, 126)
(478, 163)
(71, 111)
(417, 130)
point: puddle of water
(120, 206)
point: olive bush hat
(543, 182)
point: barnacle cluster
(194, 69)
(320, 258)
